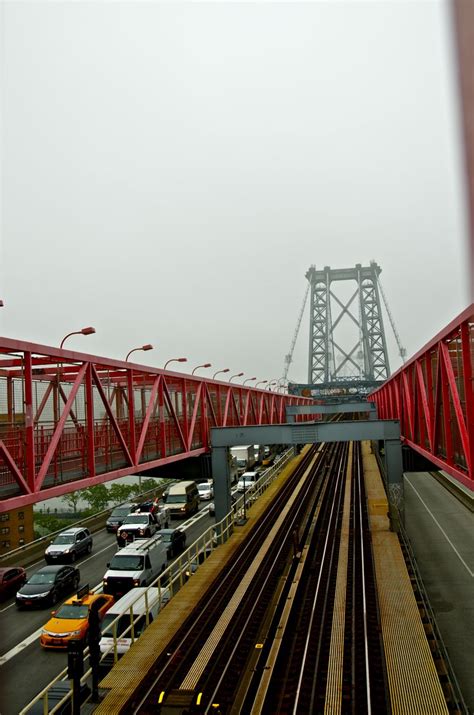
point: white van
(247, 482)
(134, 611)
(137, 564)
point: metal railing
(173, 578)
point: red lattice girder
(146, 421)
(111, 416)
(433, 397)
(116, 418)
(59, 428)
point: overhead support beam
(296, 433)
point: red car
(12, 579)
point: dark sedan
(47, 585)
(11, 579)
(118, 516)
(175, 540)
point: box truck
(244, 457)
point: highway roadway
(26, 668)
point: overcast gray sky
(171, 170)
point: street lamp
(206, 364)
(226, 369)
(261, 382)
(85, 331)
(273, 382)
(143, 347)
(175, 360)
(239, 374)
(249, 379)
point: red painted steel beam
(433, 397)
(98, 436)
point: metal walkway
(413, 681)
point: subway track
(263, 639)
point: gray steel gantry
(324, 345)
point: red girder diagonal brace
(149, 412)
(456, 401)
(17, 475)
(173, 414)
(197, 401)
(434, 390)
(59, 428)
(113, 421)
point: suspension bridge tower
(346, 338)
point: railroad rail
(266, 640)
(292, 624)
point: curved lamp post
(261, 382)
(143, 347)
(239, 374)
(226, 369)
(272, 382)
(206, 364)
(174, 360)
(249, 379)
(85, 331)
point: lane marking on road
(96, 553)
(20, 647)
(470, 572)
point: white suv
(68, 545)
(206, 490)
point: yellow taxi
(71, 620)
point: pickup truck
(141, 525)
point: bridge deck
(412, 678)
(126, 676)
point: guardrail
(175, 576)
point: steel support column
(222, 485)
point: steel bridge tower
(367, 359)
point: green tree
(72, 499)
(97, 497)
(148, 485)
(119, 493)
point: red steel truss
(70, 420)
(433, 397)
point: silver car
(69, 545)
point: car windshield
(64, 539)
(165, 537)
(121, 511)
(176, 498)
(69, 610)
(39, 577)
(136, 519)
(204, 487)
(127, 562)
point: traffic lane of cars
(16, 626)
(38, 666)
(26, 675)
